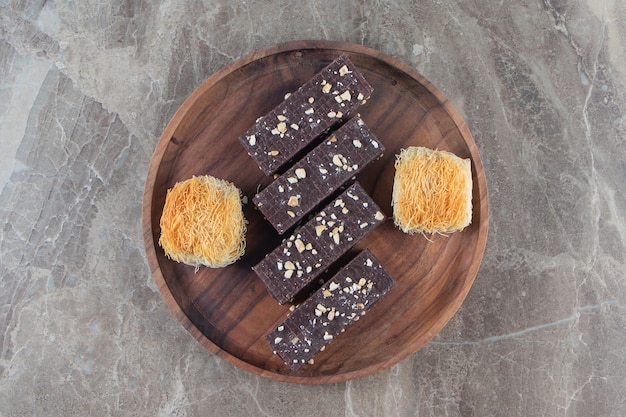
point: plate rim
(214, 78)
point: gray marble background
(86, 87)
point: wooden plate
(228, 310)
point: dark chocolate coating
(312, 248)
(315, 107)
(320, 173)
(315, 323)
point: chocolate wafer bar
(320, 173)
(316, 106)
(312, 248)
(343, 300)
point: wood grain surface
(229, 310)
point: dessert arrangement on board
(320, 144)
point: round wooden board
(229, 310)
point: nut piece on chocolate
(343, 300)
(316, 106)
(312, 248)
(320, 173)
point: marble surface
(87, 87)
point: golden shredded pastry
(432, 191)
(203, 223)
